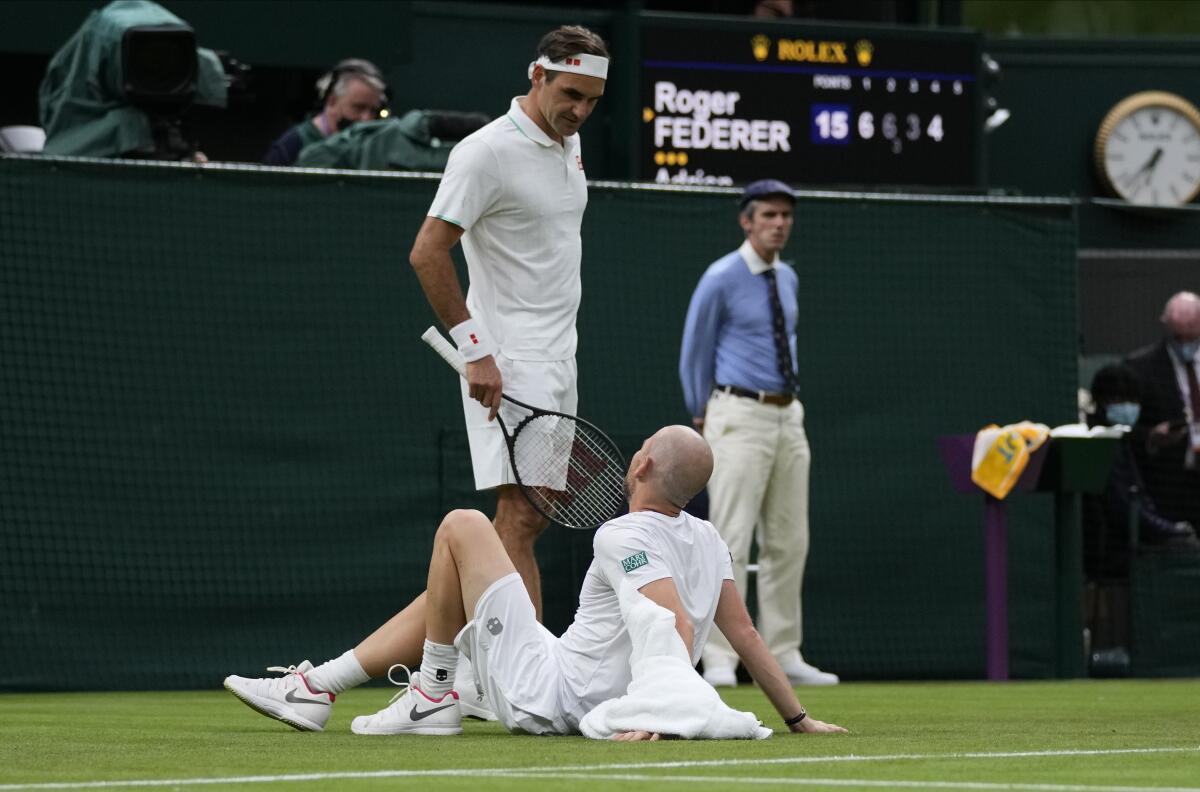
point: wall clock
(1148, 149)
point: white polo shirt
(641, 547)
(519, 196)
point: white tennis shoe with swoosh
(412, 712)
(287, 698)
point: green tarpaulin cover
(80, 100)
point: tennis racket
(566, 467)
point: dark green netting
(223, 446)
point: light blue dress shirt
(727, 337)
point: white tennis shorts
(514, 659)
(548, 384)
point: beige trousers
(759, 489)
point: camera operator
(353, 91)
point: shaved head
(681, 463)
(1182, 316)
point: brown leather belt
(763, 397)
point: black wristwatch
(793, 721)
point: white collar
(531, 130)
(754, 261)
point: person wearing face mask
(352, 91)
(737, 365)
(1167, 434)
(1117, 394)
(1110, 517)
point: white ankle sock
(338, 674)
(438, 663)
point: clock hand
(1150, 163)
(1134, 178)
(1146, 171)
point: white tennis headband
(591, 65)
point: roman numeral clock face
(1148, 150)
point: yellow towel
(1001, 454)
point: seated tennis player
(539, 684)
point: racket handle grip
(444, 348)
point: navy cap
(764, 188)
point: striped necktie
(783, 353)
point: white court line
(588, 771)
(867, 758)
(843, 782)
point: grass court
(1088, 735)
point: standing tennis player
(514, 193)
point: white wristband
(472, 343)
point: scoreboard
(808, 105)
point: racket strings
(594, 478)
(583, 484)
(591, 498)
(574, 474)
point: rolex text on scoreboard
(812, 106)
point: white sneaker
(412, 712)
(472, 701)
(801, 673)
(720, 676)
(287, 698)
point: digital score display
(810, 106)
